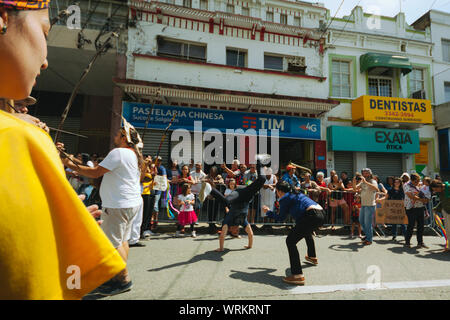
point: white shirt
(184, 206)
(121, 187)
(197, 177)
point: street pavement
(170, 268)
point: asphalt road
(170, 268)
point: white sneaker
(193, 235)
(204, 191)
(147, 234)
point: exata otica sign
(385, 109)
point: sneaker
(295, 281)
(314, 261)
(204, 191)
(193, 235)
(103, 286)
(147, 234)
(137, 244)
(116, 288)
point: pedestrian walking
(443, 190)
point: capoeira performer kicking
(308, 216)
(238, 203)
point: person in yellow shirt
(50, 246)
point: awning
(373, 60)
(207, 95)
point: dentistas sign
(372, 140)
(386, 109)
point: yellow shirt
(49, 243)
(147, 185)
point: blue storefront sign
(372, 140)
(289, 127)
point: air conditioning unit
(419, 94)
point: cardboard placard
(391, 212)
(160, 183)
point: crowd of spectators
(341, 194)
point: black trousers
(415, 215)
(240, 195)
(303, 229)
(147, 213)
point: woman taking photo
(36, 197)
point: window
(236, 58)
(187, 3)
(171, 1)
(446, 50)
(269, 16)
(297, 22)
(447, 91)
(283, 19)
(416, 80)
(174, 49)
(203, 4)
(230, 8)
(341, 78)
(380, 87)
(273, 63)
(245, 11)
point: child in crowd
(186, 201)
(356, 205)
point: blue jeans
(366, 215)
(394, 229)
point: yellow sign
(386, 109)
(422, 157)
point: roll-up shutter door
(385, 164)
(193, 154)
(152, 140)
(343, 161)
(72, 125)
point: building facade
(380, 69)
(237, 64)
(437, 24)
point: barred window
(380, 87)
(245, 11)
(269, 16)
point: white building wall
(143, 40)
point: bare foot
(219, 250)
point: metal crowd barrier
(213, 212)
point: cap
(27, 101)
(405, 174)
(367, 169)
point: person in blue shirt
(291, 178)
(308, 216)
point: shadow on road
(436, 254)
(351, 247)
(263, 276)
(208, 255)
